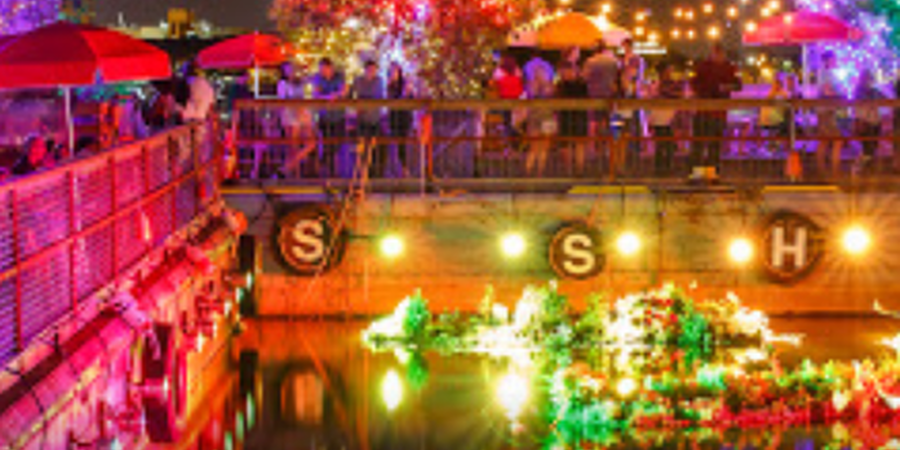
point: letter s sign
(575, 252)
(308, 241)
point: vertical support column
(14, 203)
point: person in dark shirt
(573, 124)
(716, 78)
(661, 120)
(328, 84)
(34, 158)
(399, 120)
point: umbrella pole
(70, 123)
(256, 79)
(805, 63)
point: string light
(19, 16)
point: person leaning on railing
(296, 124)
(573, 124)
(370, 86)
(661, 120)
(716, 78)
(541, 122)
(868, 120)
(329, 84)
(34, 157)
(773, 119)
(399, 120)
(828, 129)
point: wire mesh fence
(68, 232)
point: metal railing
(647, 141)
(68, 232)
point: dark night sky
(242, 13)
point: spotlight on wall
(628, 243)
(856, 240)
(740, 251)
(513, 245)
(391, 246)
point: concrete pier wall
(452, 247)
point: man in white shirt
(202, 99)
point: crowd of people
(116, 117)
(619, 135)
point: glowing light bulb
(740, 250)
(392, 390)
(628, 243)
(626, 386)
(392, 246)
(512, 394)
(513, 245)
(857, 240)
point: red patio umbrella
(252, 50)
(6, 39)
(800, 28)
(66, 55)
(244, 52)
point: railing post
(426, 148)
(17, 257)
(113, 225)
(145, 221)
(173, 175)
(73, 229)
(198, 174)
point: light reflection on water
(312, 385)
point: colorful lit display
(876, 51)
(447, 44)
(657, 360)
(19, 16)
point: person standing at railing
(868, 119)
(370, 86)
(329, 84)
(632, 86)
(541, 122)
(34, 157)
(716, 78)
(828, 129)
(573, 124)
(296, 124)
(601, 72)
(773, 119)
(510, 85)
(661, 120)
(201, 98)
(399, 120)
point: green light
(513, 245)
(251, 412)
(249, 280)
(391, 246)
(392, 390)
(239, 426)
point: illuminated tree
(448, 43)
(876, 51)
(18, 16)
